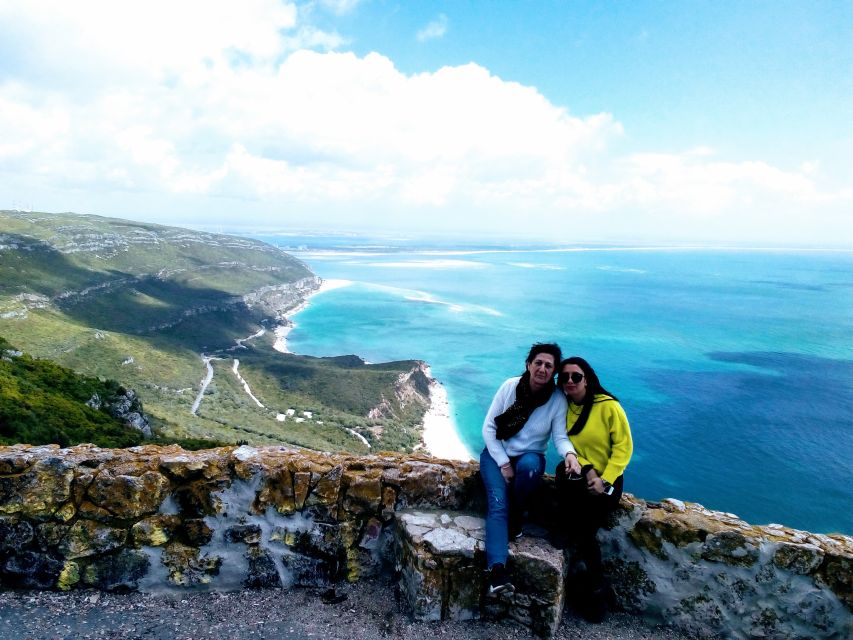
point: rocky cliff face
(127, 407)
(411, 389)
(276, 301)
(156, 518)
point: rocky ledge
(155, 518)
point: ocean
(735, 367)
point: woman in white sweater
(525, 412)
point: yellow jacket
(605, 441)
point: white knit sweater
(547, 420)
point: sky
(566, 121)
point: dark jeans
(581, 515)
(506, 499)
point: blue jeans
(502, 495)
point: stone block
(327, 489)
(119, 572)
(304, 571)
(363, 492)
(276, 491)
(129, 496)
(441, 559)
(89, 538)
(154, 531)
(246, 533)
(31, 570)
(798, 558)
(187, 566)
(262, 574)
(538, 572)
(14, 534)
(836, 572)
(39, 491)
(730, 547)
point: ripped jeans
(501, 496)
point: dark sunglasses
(574, 376)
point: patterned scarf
(514, 418)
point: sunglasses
(574, 376)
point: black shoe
(499, 580)
(515, 532)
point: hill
(44, 403)
(153, 306)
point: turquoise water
(735, 367)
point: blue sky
(571, 121)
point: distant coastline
(696, 324)
(440, 435)
(282, 330)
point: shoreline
(440, 436)
(281, 331)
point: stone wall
(159, 517)
(155, 518)
(712, 574)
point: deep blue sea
(735, 367)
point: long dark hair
(593, 387)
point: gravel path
(369, 612)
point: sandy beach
(440, 435)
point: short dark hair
(551, 348)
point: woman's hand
(507, 472)
(572, 464)
(594, 484)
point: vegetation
(43, 403)
(337, 393)
(142, 303)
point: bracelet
(571, 453)
(505, 465)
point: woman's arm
(561, 440)
(503, 398)
(621, 443)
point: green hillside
(143, 303)
(44, 403)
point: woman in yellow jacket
(600, 433)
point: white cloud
(147, 38)
(309, 37)
(249, 114)
(340, 7)
(700, 185)
(435, 29)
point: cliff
(186, 319)
(152, 518)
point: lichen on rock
(245, 517)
